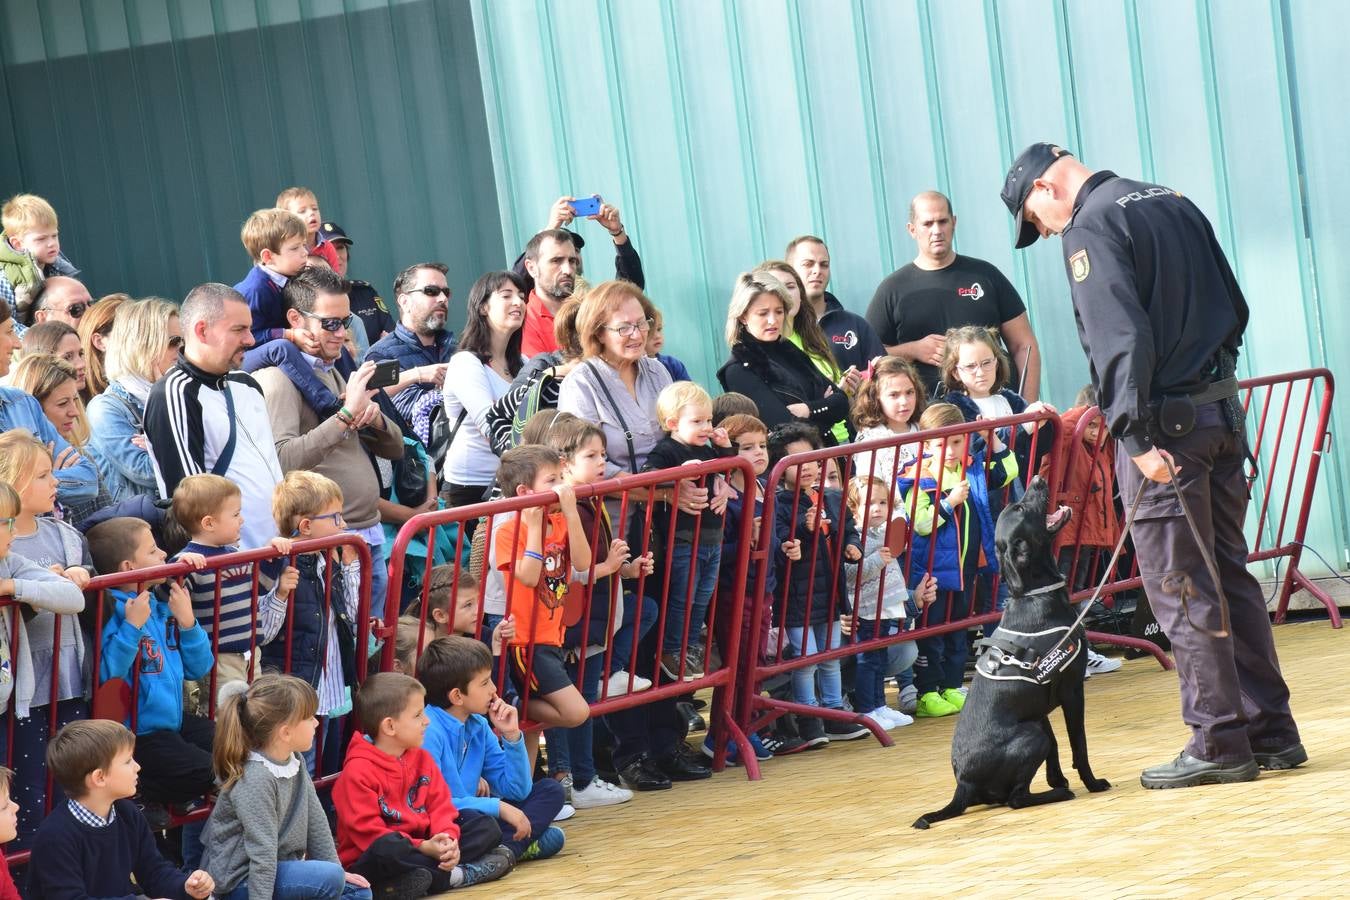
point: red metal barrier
(753, 710)
(624, 497)
(95, 593)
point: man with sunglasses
(334, 443)
(61, 299)
(420, 341)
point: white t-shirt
(471, 387)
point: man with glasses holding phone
(420, 341)
(333, 443)
(60, 299)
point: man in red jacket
(396, 823)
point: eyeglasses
(976, 368)
(335, 517)
(628, 329)
(330, 323)
(431, 290)
(8, 522)
(75, 310)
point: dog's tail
(960, 801)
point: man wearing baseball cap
(367, 304)
(1160, 316)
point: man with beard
(552, 262)
(419, 342)
(206, 416)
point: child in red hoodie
(396, 823)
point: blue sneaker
(546, 845)
(733, 752)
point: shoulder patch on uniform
(1079, 266)
(379, 303)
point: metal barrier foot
(1134, 643)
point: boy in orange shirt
(536, 553)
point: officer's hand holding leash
(1157, 465)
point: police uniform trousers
(1232, 693)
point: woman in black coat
(770, 369)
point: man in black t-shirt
(914, 306)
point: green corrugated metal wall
(722, 129)
(445, 128)
(156, 126)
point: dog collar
(1044, 590)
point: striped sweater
(187, 425)
(236, 600)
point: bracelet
(345, 416)
(534, 554)
(615, 234)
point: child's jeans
(540, 807)
(698, 565)
(941, 663)
(869, 682)
(390, 856)
(29, 762)
(622, 656)
(817, 637)
(571, 749)
(307, 879)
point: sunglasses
(330, 323)
(75, 310)
(431, 290)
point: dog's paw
(1097, 785)
(921, 823)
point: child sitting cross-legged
(396, 823)
(268, 834)
(474, 736)
(97, 841)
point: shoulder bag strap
(614, 407)
(227, 454)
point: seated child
(97, 841)
(208, 507)
(304, 204)
(41, 596)
(870, 501)
(463, 713)
(320, 646)
(536, 555)
(275, 241)
(9, 830)
(685, 412)
(960, 525)
(30, 251)
(155, 643)
(814, 587)
(396, 824)
(268, 834)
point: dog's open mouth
(1058, 519)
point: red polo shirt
(536, 335)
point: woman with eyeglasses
(93, 330)
(768, 367)
(142, 346)
(480, 372)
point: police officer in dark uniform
(1160, 316)
(367, 304)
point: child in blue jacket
(463, 710)
(956, 530)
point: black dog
(1033, 663)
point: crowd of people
(298, 404)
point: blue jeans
(571, 749)
(379, 580)
(687, 564)
(941, 663)
(631, 628)
(804, 679)
(307, 879)
(875, 666)
(330, 727)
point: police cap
(1028, 166)
(332, 231)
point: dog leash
(1179, 581)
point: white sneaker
(567, 811)
(600, 793)
(617, 685)
(879, 716)
(1099, 664)
(898, 719)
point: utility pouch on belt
(1175, 413)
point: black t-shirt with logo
(912, 303)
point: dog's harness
(1036, 657)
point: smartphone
(585, 206)
(386, 374)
